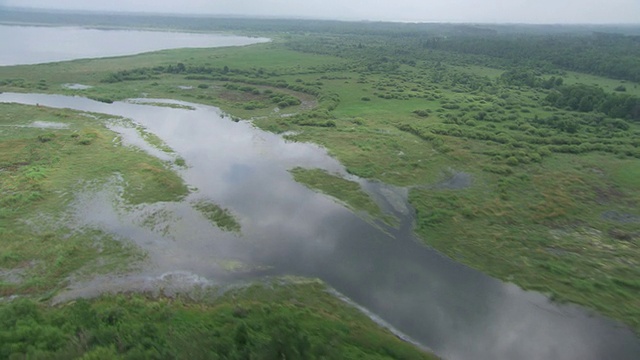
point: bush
(421, 113)
(330, 123)
(498, 169)
(512, 161)
(46, 137)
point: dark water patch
(288, 229)
(454, 180)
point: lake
(287, 229)
(33, 45)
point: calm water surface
(286, 229)
(33, 45)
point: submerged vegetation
(220, 217)
(554, 153)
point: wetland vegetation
(346, 191)
(222, 218)
(48, 156)
(549, 137)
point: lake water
(287, 229)
(33, 45)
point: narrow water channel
(287, 229)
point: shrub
(498, 169)
(421, 113)
(512, 161)
(46, 137)
(330, 123)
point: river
(457, 312)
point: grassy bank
(347, 192)
(259, 322)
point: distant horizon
(299, 17)
(511, 12)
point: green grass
(631, 88)
(273, 321)
(345, 191)
(220, 217)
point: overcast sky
(510, 11)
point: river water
(287, 229)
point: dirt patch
(11, 276)
(76, 86)
(308, 103)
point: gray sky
(512, 11)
